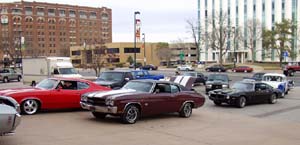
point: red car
(52, 93)
(142, 98)
(242, 69)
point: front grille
(96, 101)
(216, 87)
(218, 96)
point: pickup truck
(8, 74)
(143, 74)
(291, 68)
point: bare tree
(253, 31)
(193, 29)
(164, 52)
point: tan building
(50, 29)
(116, 53)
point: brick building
(50, 29)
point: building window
(4, 11)
(104, 17)
(76, 61)
(72, 13)
(113, 60)
(76, 53)
(16, 11)
(62, 13)
(93, 15)
(113, 50)
(28, 10)
(131, 50)
(51, 12)
(82, 15)
(40, 11)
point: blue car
(144, 74)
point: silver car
(10, 116)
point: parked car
(245, 69)
(291, 68)
(200, 78)
(216, 81)
(245, 92)
(114, 79)
(144, 74)
(185, 68)
(256, 76)
(277, 81)
(52, 93)
(149, 67)
(8, 74)
(10, 116)
(142, 98)
(216, 68)
(137, 65)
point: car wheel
(219, 70)
(150, 68)
(131, 115)
(207, 70)
(245, 71)
(241, 102)
(290, 73)
(19, 78)
(273, 99)
(30, 107)
(218, 103)
(186, 110)
(99, 115)
(283, 94)
(5, 80)
(287, 92)
(234, 70)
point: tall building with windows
(48, 29)
(262, 13)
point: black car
(200, 78)
(216, 81)
(245, 92)
(216, 68)
(256, 76)
(114, 79)
(137, 65)
(149, 67)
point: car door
(262, 92)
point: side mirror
(127, 79)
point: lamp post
(135, 13)
(234, 43)
(144, 41)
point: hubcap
(187, 109)
(132, 114)
(273, 97)
(242, 102)
(30, 106)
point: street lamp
(135, 13)
(144, 41)
(234, 43)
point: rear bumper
(101, 109)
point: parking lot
(209, 125)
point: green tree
(129, 59)
(280, 39)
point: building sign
(138, 29)
(4, 19)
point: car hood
(216, 83)
(227, 91)
(113, 94)
(9, 92)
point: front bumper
(101, 109)
(14, 125)
(228, 100)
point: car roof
(120, 71)
(69, 79)
(274, 74)
(153, 81)
(218, 74)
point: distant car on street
(216, 81)
(8, 74)
(137, 65)
(216, 68)
(149, 67)
(185, 68)
(200, 78)
(245, 92)
(144, 74)
(291, 68)
(245, 69)
(277, 81)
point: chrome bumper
(15, 124)
(102, 109)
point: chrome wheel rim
(242, 102)
(187, 109)
(131, 114)
(30, 107)
(273, 99)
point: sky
(161, 20)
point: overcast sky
(162, 20)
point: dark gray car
(114, 79)
(216, 81)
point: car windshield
(139, 86)
(67, 71)
(273, 78)
(111, 76)
(47, 84)
(222, 78)
(190, 74)
(259, 76)
(243, 86)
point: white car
(185, 68)
(277, 81)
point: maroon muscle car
(142, 98)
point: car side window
(82, 85)
(128, 75)
(174, 89)
(68, 85)
(260, 87)
(162, 88)
(140, 74)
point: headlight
(109, 102)
(84, 98)
(224, 86)
(208, 86)
(227, 97)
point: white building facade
(267, 12)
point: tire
(219, 70)
(241, 102)
(30, 107)
(218, 103)
(291, 73)
(234, 70)
(245, 71)
(282, 94)
(5, 80)
(130, 115)
(186, 111)
(99, 115)
(273, 99)
(150, 68)
(19, 78)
